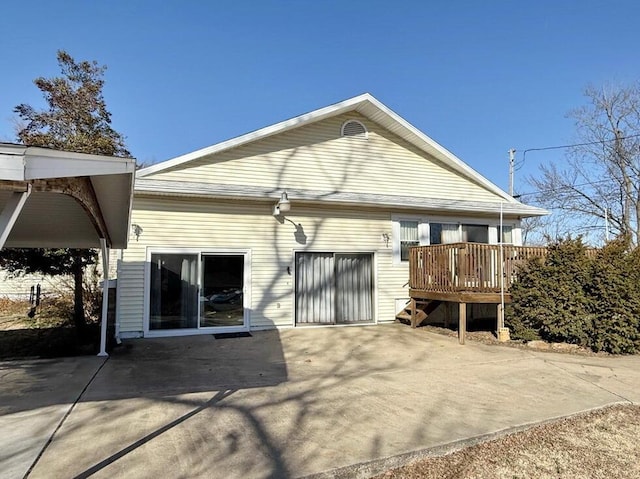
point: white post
(501, 318)
(105, 297)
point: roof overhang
(72, 199)
(188, 189)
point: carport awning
(71, 200)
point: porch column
(105, 297)
(462, 322)
(11, 212)
(500, 316)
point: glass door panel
(174, 291)
(222, 298)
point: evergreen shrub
(578, 296)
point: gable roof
(367, 106)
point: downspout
(117, 332)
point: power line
(561, 147)
(516, 166)
(569, 187)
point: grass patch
(601, 443)
(49, 333)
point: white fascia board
(20, 163)
(11, 167)
(316, 115)
(41, 164)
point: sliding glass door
(334, 288)
(190, 291)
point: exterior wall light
(283, 205)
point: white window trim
(424, 230)
(246, 326)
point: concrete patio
(285, 404)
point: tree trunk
(78, 303)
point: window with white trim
(474, 233)
(408, 237)
(506, 235)
(444, 233)
(415, 231)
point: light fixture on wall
(385, 238)
(136, 230)
(283, 205)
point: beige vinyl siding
(130, 295)
(211, 225)
(316, 157)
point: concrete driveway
(299, 402)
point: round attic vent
(354, 128)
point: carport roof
(75, 198)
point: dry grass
(49, 333)
(599, 444)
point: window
(411, 231)
(408, 237)
(475, 233)
(443, 233)
(507, 234)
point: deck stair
(423, 309)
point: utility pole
(512, 157)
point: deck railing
(467, 267)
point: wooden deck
(464, 273)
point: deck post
(413, 313)
(462, 321)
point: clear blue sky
(479, 77)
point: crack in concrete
(582, 378)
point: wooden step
(423, 310)
(405, 315)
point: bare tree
(601, 179)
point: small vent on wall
(355, 129)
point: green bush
(577, 297)
(615, 287)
